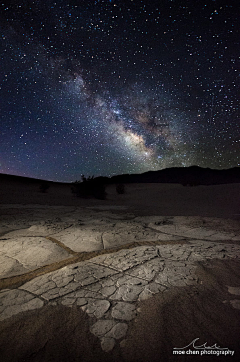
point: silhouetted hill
(193, 175)
(22, 179)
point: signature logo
(202, 349)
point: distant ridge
(187, 176)
(193, 175)
(24, 179)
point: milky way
(112, 87)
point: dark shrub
(191, 184)
(44, 187)
(89, 187)
(98, 190)
(120, 188)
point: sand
(141, 199)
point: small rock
(118, 331)
(235, 303)
(234, 290)
(98, 308)
(124, 311)
(81, 301)
(107, 344)
(67, 301)
(107, 291)
(102, 326)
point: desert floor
(135, 277)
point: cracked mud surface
(110, 266)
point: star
(105, 87)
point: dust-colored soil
(169, 320)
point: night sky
(113, 87)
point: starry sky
(112, 87)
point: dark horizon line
(8, 175)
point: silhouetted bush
(89, 187)
(191, 184)
(120, 188)
(44, 187)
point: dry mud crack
(16, 281)
(133, 260)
